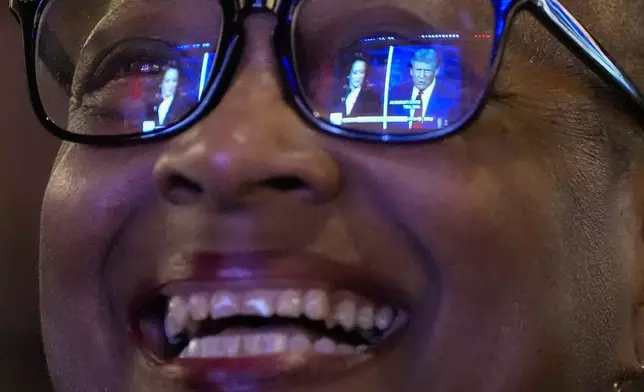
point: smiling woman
(480, 230)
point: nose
(253, 147)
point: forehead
(421, 64)
(92, 12)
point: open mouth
(285, 326)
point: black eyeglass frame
(550, 13)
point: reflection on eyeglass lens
(388, 84)
(138, 92)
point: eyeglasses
(114, 73)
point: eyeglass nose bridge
(232, 52)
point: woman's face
(169, 83)
(358, 72)
(510, 252)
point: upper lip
(208, 271)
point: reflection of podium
(148, 126)
(393, 124)
(335, 118)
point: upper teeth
(289, 304)
(316, 304)
(345, 314)
(198, 307)
(222, 304)
(348, 310)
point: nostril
(285, 183)
(181, 190)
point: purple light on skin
(221, 159)
(235, 273)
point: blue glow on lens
(204, 73)
(500, 26)
(289, 72)
(205, 45)
(501, 13)
(505, 4)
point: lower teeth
(258, 344)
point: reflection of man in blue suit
(427, 102)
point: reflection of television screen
(397, 94)
(187, 82)
(419, 94)
(197, 66)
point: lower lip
(246, 373)
(268, 371)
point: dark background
(26, 154)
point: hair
(179, 92)
(427, 56)
(358, 57)
(355, 58)
(165, 70)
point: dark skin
(518, 240)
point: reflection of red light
(482, 35)
(324, 89)
(136, 89)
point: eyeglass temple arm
(553, 13)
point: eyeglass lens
(139, 67)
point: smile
(268, 328)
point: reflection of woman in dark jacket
(358, 97)
(170, 106)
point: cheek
(480, 218)
(470, 216)
(90, 195)
(475, 233)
